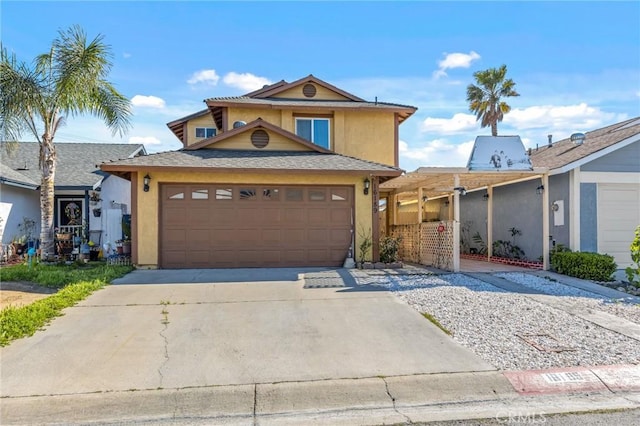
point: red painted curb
(614, 378)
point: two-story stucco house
(286, 175)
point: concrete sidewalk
(366, 401)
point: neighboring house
(77, 177)
(594, 196)
(283, 176)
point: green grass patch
(59, 276)
(435, 322)
(75, 284)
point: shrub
(389, 247)
(633, 272)
(588, 266)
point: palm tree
(485, 98)
(68, 80)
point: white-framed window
(205, 132)
(316, 130)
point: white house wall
(15, 204)
(115, 194)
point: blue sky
(575, 64)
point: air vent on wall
(260, 138)
(237, 124)
(309, 90)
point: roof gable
(178, 126)
(296, 90)
(231, 139)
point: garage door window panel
(271, 194)
(247, 194)
(317, 195)
(294, 194)
(224, 194)
(339, 194)
(200, 194)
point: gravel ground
(489, 320)
(628, 311)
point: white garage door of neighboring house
(618, 217)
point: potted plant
(365, 245)
(97, 211)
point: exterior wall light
(486, 197)
(461, 190)
(424, 198)
(540, 190)
(367, 185)
(146, 181)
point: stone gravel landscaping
(513, 331)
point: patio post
(420, 205)
(489, 223)
(545, 222)
(456, 224)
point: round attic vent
(578, 138)
(260, 138)
(237, 124)
(309, 90)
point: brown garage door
(226, 226)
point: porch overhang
(439, 182)
(436, 182)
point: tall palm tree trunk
(48, 169)
(494, 129)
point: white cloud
(147, 101)
(209, 77)
(437, 152)
(459, 123)
(455, 60)
(245, 81)
(146, 140)
(564, 117)
(126, 55)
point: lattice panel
(436, 248)
(410, 241)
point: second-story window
(315, 130)
(205, 132)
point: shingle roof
(8, 175)
(306, 103)
(280, 161)
(77, 163)
(565, 152)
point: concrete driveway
(192, 328)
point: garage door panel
(318, 216)
(618, 216)
(294, 236)
(294, 215)
(226, 227)
(317, 236)
(340, 215)
(272, 236)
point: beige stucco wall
(362, 134)
(250, 114)
(277, 142)
(368, 135)
(148, 203)
(203, 121)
